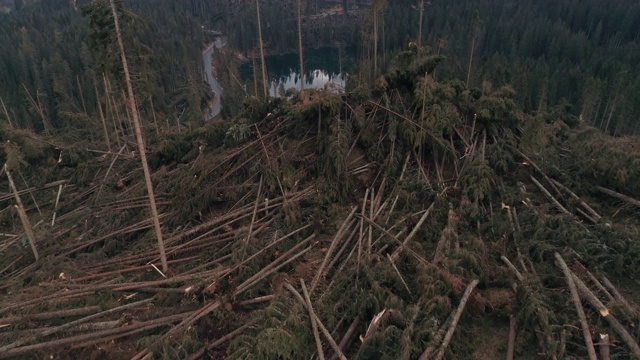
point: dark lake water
(323, 67)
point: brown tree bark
(140, 140)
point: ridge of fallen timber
(8, 196)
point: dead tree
(140, 140)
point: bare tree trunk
(300, 46)
(375, 43)
(613, 107)
(84, 107)
(104, 123)
(604, 347)
(312, 315)
(38, 107)
(127, 109)
(255, 74)
(456, 317)
(511, 343)
(420, 24)
(604, 312)
(264, 66)
(617, 195)
(114, 108)
(579, 309)
(474, 35)
(153, 112)
(110, 109)
(23, 215)
(6, 112)
(140, 140)
(473, 45)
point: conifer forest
(319, 179)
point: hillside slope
(399, 210)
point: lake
(322, 66)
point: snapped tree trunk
(140, 140)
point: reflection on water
(324, 67)
(316, 79)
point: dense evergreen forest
(471, 194)
(578, 56)
(55, 67)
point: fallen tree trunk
(456, 318)
(576, 301)
(617, 195)
(604, 312)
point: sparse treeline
(54, 73)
